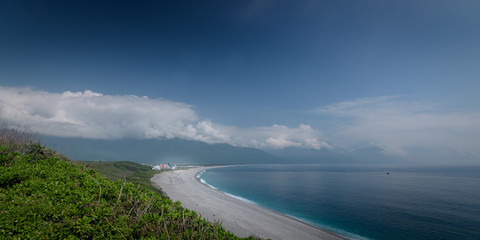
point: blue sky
(305, 73)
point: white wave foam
(348, 235)
(210, 186)
(241, 198)
(199, 176)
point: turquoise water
(363, 201)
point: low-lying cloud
(93, 115)
(89, 114)
(392, 124)
(276, 136)
(396, 125)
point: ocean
(364, 201)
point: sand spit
(242, 218)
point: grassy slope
(44, 195)
(125, 171)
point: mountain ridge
(156, 151)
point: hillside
(44, 195)
(155, 151)
(125, 171)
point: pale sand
(239, 217)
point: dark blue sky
(248, 63)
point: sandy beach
(239, 217)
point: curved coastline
(239, 217)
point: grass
(44, 195)
(17, 140)
(125, 171)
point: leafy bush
(126, 171)
(43, 195)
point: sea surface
(364, 201)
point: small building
(164, 166)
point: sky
(402, 76)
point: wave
(210, 186)
(241, 198)
(199, 176)
(339, 231)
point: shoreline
(237, 216)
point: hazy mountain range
(155, 151)
(178, 151)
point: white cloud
(278, 136)
(396, 125)
(94, 115)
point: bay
(364, 201)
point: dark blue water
(363, 201)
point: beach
(239, 217)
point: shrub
(43, 195)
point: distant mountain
(155, 151)
(178, 151)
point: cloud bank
(276, 137)
(94, 115)
(396, 125)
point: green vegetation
(126, 171)
(44, 195)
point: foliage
(43, 195)
(16, 140)
(126, 171)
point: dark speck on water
(416, 203)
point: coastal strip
(239, 217)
